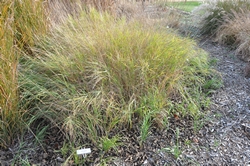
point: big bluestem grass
(94, 74)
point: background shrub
(211, 14)
(235, 32)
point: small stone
(40, 158)
(3, 163)
(50, 150)
(247, 70)
(145, 162)
(45, 155)
(3, 158)
(195, 140)
(59, 159)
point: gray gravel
(225, 140)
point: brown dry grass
(10, 124)
(235, 31)
(58, 10)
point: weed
(216, 143)
(24, 162)
(211, 85)
(40, 134)
(197, 124)
(213, 61)
(68, 151)
(187, 142)
(218, 115)
(145, 128)
(175, 150)
(105, 161)
(108, 144)
(65, 149)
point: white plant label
(83, 151)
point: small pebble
(45, 155)
(59, 159)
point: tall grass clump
(235, 32)
(9, 114)
(19, 20)
(96, 74)
(29, 19)
(58, 10)
(211, 14)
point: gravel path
(225, 140)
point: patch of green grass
(216, 143)
(68, 150)
(212, 84)
(145, 128)
(187, 6)
(197, 124)
(40, 134)
(187, 142)
(109, 143)
(176, 149)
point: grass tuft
(211, 14)
(19, 21)
(235, 32)
(228, 22)
(10, 123)
(110, 143)
(29, 19)
(95, 74)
